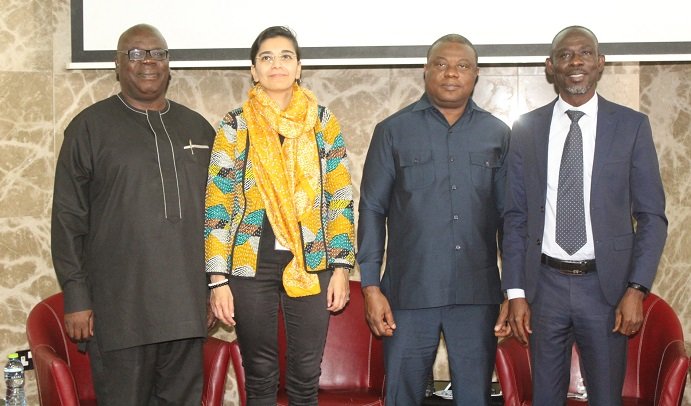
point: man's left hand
(629, 313)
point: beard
(576, 89)
(582, 89)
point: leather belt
(570, 267)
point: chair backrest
(514, 371)
(353, 357)
(236, 357)
(661, 331)
(45, 330)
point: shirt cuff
(515, 293)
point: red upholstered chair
(353, 362)
(63, 374)
(656, 366)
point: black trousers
(306, 321)
(169, 373)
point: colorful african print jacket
(235, 211)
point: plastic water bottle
(14, 380)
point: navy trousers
(471, 346)
(568, 308)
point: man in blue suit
(584, 227)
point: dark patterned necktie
(570, 233)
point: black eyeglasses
(136, 54)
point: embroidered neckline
(136, 110)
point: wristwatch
(638, 286)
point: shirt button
(455, 217)
(453, 187)
(451, 159)
(458, 248)
(538, 241)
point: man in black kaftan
(127, 233)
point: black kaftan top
(127, 221)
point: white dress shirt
(558, 131)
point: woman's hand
(221, 301)
(338, 293)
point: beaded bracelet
(214, 285)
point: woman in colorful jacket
(279, 222)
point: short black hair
(457, 38)
(273, 32)
(574, 28)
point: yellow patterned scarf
(287, 175)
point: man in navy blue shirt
(434, 179)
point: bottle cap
(13, 355)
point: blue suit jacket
(626, 186)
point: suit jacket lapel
(542, 142)
(604, 138)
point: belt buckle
(578, 272)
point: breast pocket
(482, 167)
(415, 169)
(194, 158)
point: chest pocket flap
(415, 169)
(482, 168)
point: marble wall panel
(666, 97)
(620, 84)
(26, 35)
(26, 143)
(533, 91)
(26, 268)
(61, 34)
(497, 94)
(27, 275)
(212, 93)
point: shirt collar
(424, 104)
(589, 108)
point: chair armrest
(216, 362)
(54, 378)
(513, 371)
(672, 375)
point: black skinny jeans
(306, 320)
